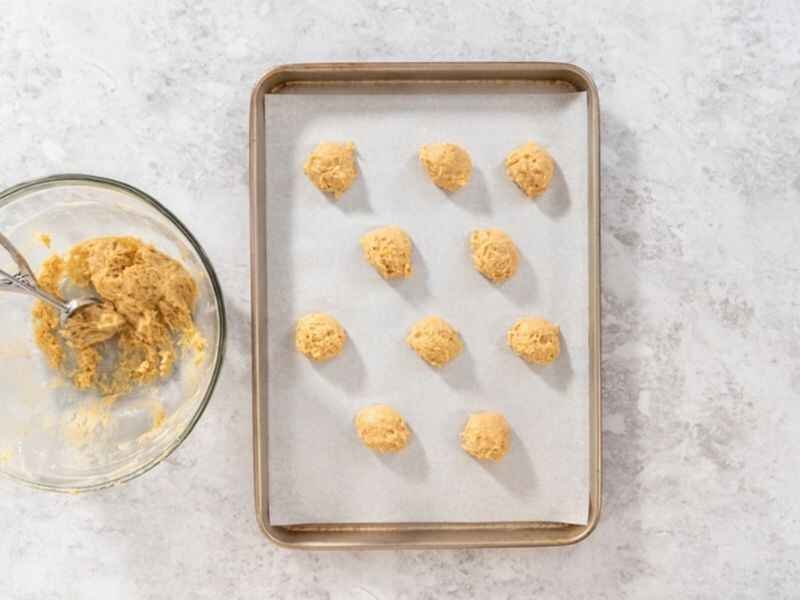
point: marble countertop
(701, 280)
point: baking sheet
(319, 471)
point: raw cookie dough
(448, 165)
(388, 249)
(319, 336)
(531, 168)
(486, 436)
(331, 167)
(382, 428)
(435, 340)
(146, 313)
(494, 254)
(45, 239)
(536, 340)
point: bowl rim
(94, 180)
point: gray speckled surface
(701, 280)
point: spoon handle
(25, 282)
(22, 264)
(22, 285)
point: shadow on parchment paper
(460, 372)
(411, 463)
(555, 201)
(356, 199)
(515, 472)
(414, 289)
(559, 373)
(346, 371)
(521, 289)
(473, 197)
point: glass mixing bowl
(53, 436)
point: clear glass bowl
(53, 436)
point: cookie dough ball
(494, 254)
(435, 340)
(332, 167)
(382, 429)
(448, 165)
(536, 340)
(486, 436)
(388, 249)
(319, 336)
(531, 168)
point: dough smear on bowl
(331, 167)
(535, 340)
(531, 168)
(319, 337)
(435, 340)
(145, 318)
(388, 250)
(382, 428)
(486, 436)
(494, 254)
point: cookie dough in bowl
(331, 167)
(486, 436)
(531, 167)
(448, 165)
(143, 323)
(109, 395)
(381, 428)
(535, 340)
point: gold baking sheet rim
(384, 78)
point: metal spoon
(24, 282)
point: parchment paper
(318, 469)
